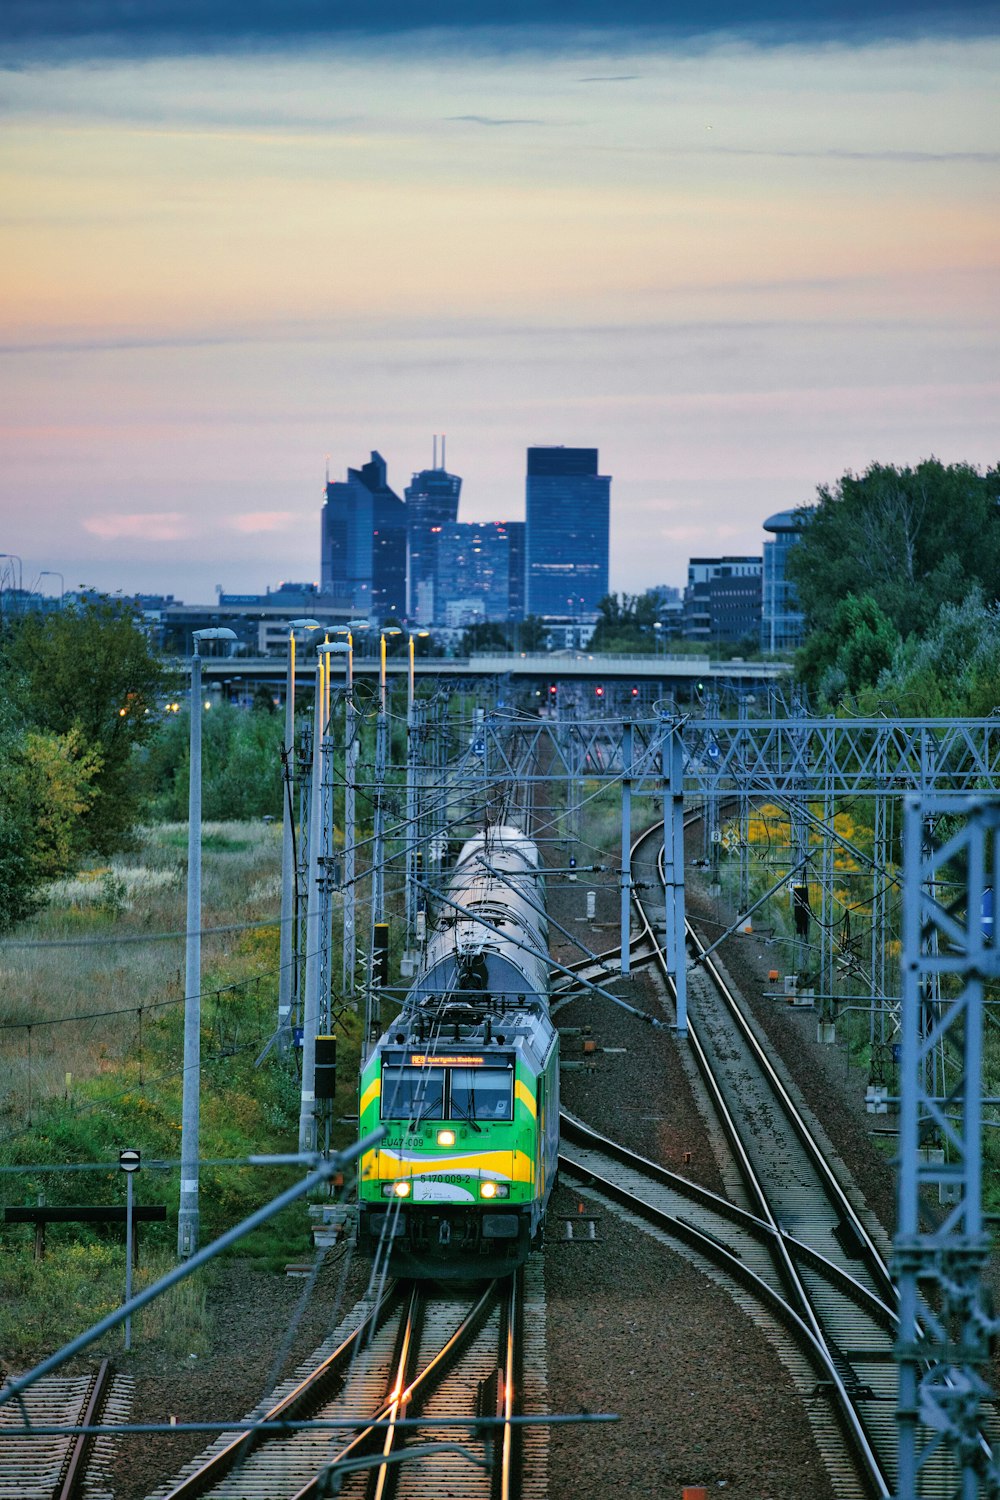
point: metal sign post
(129, 1162)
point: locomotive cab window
(482, 1093)
(412, 1093)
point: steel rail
(404, 1390)
(576, 1132)
(76, 1469)
(383, 1483)
(832, 1186)
(855, 1431)
(318, 1386)
(509, 1487)
(716, 1252)
(835, 1193)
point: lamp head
(304, 624)
(216, 633)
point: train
(466, 1080)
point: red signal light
(598, 692)
(635, 692)
(553, 688)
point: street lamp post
(349, 944)
(317, 900)
(51, 573)
(412, 832)
(349, 956)
(310, 999)
(381, 759)
(20, 576)
(287, 986)
(187, 1220)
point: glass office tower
(431, 505)
(566, 532)
(782, 621)
(478, 560)
(364, 542)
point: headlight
(446, 1138)
(395, 1190)
(494, 1190)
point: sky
(741, 252)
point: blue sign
(986, 914)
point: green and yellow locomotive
(466, 1080)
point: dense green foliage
(858, 644)
(952, 670)
(892, 566)
(89, 669)
(79, 691)
(18, 887)
(626, 623)
(526, 635)
(241, 765)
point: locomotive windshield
(412, 1093)
(481, 1093)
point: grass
(47, 1302)
(91, 1047)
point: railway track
(451, 1357)
(791, 1223)
(62, 1466)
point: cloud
(490, 120)
(154, 526)
(836, 153)
(262, 520)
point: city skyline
(738, 261)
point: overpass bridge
(659, 674)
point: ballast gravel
(633, 1328)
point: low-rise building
(722, 601)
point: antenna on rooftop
(443, 464)
(328, 468)
(435, 464)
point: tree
(59, 774)
(953, 671)
(484, 635)
(909, 540)
(851, 652)
(531, 634)
(90, 671)
(241, 764)
(624, 624)
(18, 879)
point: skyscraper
(566, 532)
(478, 560)
(431, 504)
(364, 541)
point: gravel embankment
(633, 1327)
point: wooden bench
(42, 1215)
